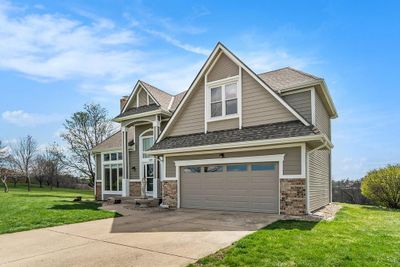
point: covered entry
(237, 186)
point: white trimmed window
(222, 100)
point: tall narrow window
(147, 144)
(231, 98)
(216, 101)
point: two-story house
(235, 140)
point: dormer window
(222, 100)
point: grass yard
(359, 236)
(22, 210)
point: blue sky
(57, 55)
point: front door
(149, 176)
(147, 163)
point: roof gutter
(141, 115)
(319, 137)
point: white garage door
(238, 187)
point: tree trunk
(29, 184)
(4, 180)
(15, 182)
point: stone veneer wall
(293, 196)
(98, 191)
(169, 193)
(135, 189)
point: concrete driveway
(144, 238)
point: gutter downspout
(324, 144)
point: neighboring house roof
(259, 132)
(287, 78)
(141, 109)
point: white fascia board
(187, 94)
(131, 96)
(243, 66)
(263, 84)
(140, 115)
(320, 137)
(134, 91)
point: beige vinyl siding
(223, 68)
(191, 116)
(134, 154)
(301, 102)
(151, 101)
(98, 167)
(223, 125)
(322, 120)
(142, 98)
(319, 184)
(259, 106)
(291, 163)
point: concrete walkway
(144, 238)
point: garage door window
(192, 169)
(236, 168)
(213, 169)
(262, 167)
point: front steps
(136, 202)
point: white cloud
(23, 119)
(53, 46)
(175, 42)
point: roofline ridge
(305, 73)
(165, 92)
(287, 67)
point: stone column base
(98, 191)
(169, 193)
(293, 196)
(135, 189)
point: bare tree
(3, 171)
(48, 165)
(39, 171)
(83, 131)
(22, 156)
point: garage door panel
(236, 190)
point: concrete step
(141, 202)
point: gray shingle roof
(287, 78)
(141, 109)
(161, 96)
(114, 141)
(260, 132)
(177, 99)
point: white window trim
(222, 83)
(141, 159)
(110, 162)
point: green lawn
(359, 236)
(22, 210)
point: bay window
(112, 171)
